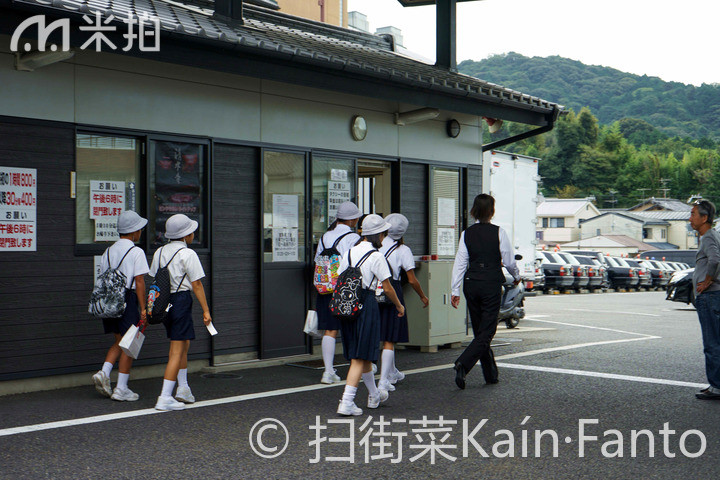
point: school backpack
(158, 301)
(380, 291)
(348, 297)
(326, 267)
(107, 299)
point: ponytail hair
(333, 225)
(375, 240)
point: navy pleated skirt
(361, 337)
(326, 320)
(393, 328)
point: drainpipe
(531, 133)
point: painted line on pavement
(613, 311)
(615, 330)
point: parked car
(597, 273)
(659, 273)
(539, 282)
(598, 259)
(558, 274)
(619, 275)
(580, 271)
(680, 287)
(644, 275)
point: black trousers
(483, 300)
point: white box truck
(513, 180)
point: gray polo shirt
(707, 260)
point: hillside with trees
(624, 138)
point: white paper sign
(285, 243)
(338, 193)
(285, 211)
(18, 209)
(96, 267)
(446, 211)
(338, 175)
(446, 241)
(211, 329)
(107, 202)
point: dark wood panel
(414, 205)
(236, 269)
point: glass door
(284, 296)
(375, 187)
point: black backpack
(158, 302)
(349, 296)
(380, 294)
(108, 297)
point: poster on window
(177, 183)
(338, 193)
(285, 243)
(285, 211)
(446, 211)
(446, 241)
(18, 209)
(107, 202)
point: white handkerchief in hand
(211, 329)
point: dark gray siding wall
(473, 188)
(236, 246)
(44, 322)
(414, 205)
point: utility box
(439, 323)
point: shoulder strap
(339, 239)
(365, 257)
(322, 244)
(171, 258)
(392, 249)
(122, 260)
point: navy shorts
(130, 317)
(179, 322)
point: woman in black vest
(482, 251)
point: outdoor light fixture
(358, 128)
(27, 62)
(453, 128)
(414, 116)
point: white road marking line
(308, 388)
(534, 318)
(613, 311)
(613, 376)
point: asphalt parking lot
(591, 386)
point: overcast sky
(673, 40)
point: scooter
(513, 300)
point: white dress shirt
(373, 266)
(400, 259)
(134, 264)
(330, 236)
(186, 263)
(462, 260)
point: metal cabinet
(439, 323)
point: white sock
(122, 381)
(349, 394)
(328, 352)
(107, 368)
(369, 381)
(388, 365)
(168, 387)
(182, 378)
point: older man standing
(706, 281)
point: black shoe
(707, 395)
(490, 371)
(460, 376)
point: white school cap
(179, 226)
(348, 211)
(398, 225)
(129, 222)
(374, 224)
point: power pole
(664, 189)
(613, 201)
(642, 193)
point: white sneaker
(374, 368)
(124, 395)
(385, 385)
(330, 378)
(102, 384)
(349, 408)
(168, 403)
(184, 394)
(376, 400)
(398, 376)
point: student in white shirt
(186, 274)
(394, 329)
(482, 251)
(133, 264)
(361, 336)
(341, 232)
